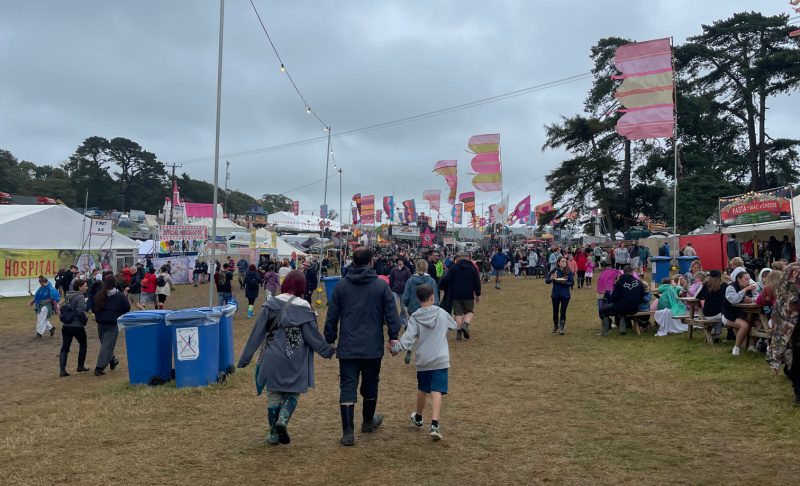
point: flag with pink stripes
(486, 163)
(433, 197)
(449, 170)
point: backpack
(251, 280)
(662, 251)
(161, 281)
(67, 314)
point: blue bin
(226, 358)
(195, 344)
(148, 345)
(662, 268)
(685, 263)
(330, 283)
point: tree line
(118, 174)
(726, 78)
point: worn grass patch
(525, 407)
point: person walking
(310, 275)
(589, 273)
(44, 301)
(135, 288)
(359, 306)
(74, 327)
(149, 287)
(252, 282)
(108, 305)
(420, 278)
(644, 257)
(286, 337)
(429, 324)
(223, 281)
(562, 280)
(271, 282)
(397, 282)
(164, 285)
(464, 283)
(621, 257)
(243, 267)
(499, 261)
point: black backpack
(67, 314)
(161, 281)
(251, 280)
(662, 251)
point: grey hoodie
(430, 324)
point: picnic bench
(633, 319)
(754, 311)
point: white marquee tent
(304, 222)
(38, 240)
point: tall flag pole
(449, 170)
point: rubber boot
(347, 412)
(371, 420)
(272, 417)
(623, 325)
(555, 327)
(561, 326)
(62, 363)
(288, 405)
(250, 312)
(606, 327)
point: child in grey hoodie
(430, 324)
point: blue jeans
(403, 309)
(224, 297)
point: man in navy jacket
(360, 304)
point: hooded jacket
(669, 300)
(271, 281)
(46, 296)
(628, 294)
(77, 300)
(359, 306)
(287, 362)
(430, 325)
(410, 294)
(398, 278)
(463, 281)
(135, 286)
(116, 305)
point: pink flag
(368, 210)
(433, 197)
(650, 122)
(523, 209)
(642, 58)
(486, 163)
(448, 169)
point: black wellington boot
(62, 362)
(347, 424)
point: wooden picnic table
(693, 303)
(752, 311)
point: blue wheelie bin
(226, 358)
(662, 268)
(685, 263)
(195, 344)
(330, 283)
(148, 345)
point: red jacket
(149, 284)
(580, 259)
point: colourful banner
(388, 207)
(482, 222)
(433, 197)
(491, 214)
(378, 215)
(523, 209)
(357, 200)
(182, 233)
(756, 207)
(32, 263)
(449, 170)
(355, 216)
(468, 198)
(486, 162)
(544, 207)
(323, 211)
(457, 212)
(410, 211)
(368, 210)
(295, 207)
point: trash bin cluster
(198, 341)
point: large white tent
(304, 222)
(224, 225)
(38, 240)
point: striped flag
(449, 170)
(486, 163)
(357, 200)
(433, 197)
(368, 210)
(468, 198)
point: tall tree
(141, 177)
(744, 61)
(88, 169)
(276, 202)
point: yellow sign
(32, 263)
(253, 237)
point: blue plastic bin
(195, 344)
(226, 358)
(685, 263)
(330, 283)
(148, 345)
(662, 268)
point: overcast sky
(147, 71)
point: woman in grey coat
(76, 328)
(286, 361)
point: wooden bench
(705, 324)
(633, 319)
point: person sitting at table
(679, 283)
(693, 269)
(625, 299)
(669, 296)
(699, 278)
(778, 265)
(740, 291)
(712, 294)
(761, 281)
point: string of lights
(286, 71)
(422, 116)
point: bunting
(368, 210)
(433, 197)
(456, 213)
(449, 170)
(486, 162)
(388, 207)
(357, 200)
(410, 211)
(647, 92)
(295, 207)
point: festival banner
(388, 207)
(433, 197)
(182, 233)
(409, 211)
(378, 215)
(756, 207)
(449, 170)
(491, 214)
(357, 200)
(457, 212)
(355, 216)
(522, 210)
(323, 211)
(32, 263)
(295, 207)
(486, 163)
(482, 222)
(544, 207)
(368, 210)
(532, 219)
(468, 198)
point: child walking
(589, 272)
(430, 324)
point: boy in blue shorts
(430, 324)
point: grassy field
(525, 407)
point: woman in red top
(126, 272)
(580, 260)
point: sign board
(655, 226)
(101, 227)
(188, 343)
(406, 231)
(756, 207)
(449, 240)
(182, 233)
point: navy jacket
(360, 304)
(627, 295)
(499, 260)
(560, 289)
(462, 281)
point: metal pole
(216, 158)
(341, 221)
(675, 146)
(325, 196)
(227, 176)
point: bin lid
(687, 258)
(227, 310)
(194, 317)
(328, 279)
(660, 259)
(143, 318)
